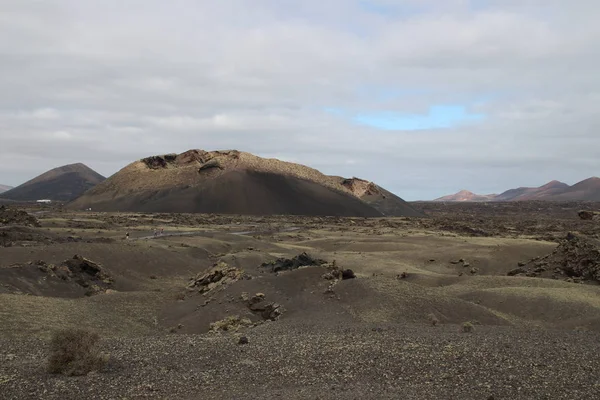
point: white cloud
(107, 82)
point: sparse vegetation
(230, 324)
(468, 327)
(74, 352)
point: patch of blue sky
(441, 116)
(438, 116)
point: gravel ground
(317, 361)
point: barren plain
(475, 301)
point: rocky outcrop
(217, 278)
(360, 187)
(288, 264)
(589, 215)
(576, 259)
(77, 272)
(12, 216)
(266, 309)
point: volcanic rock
(217, 277)
(588, 215)
(74, 277)
(377, 197)
(286, 264)
(11, 216)
(575, 258)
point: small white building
(45, 201)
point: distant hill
(465, 195)
(4, 188)
(232, 182)
(59, 184)
(586, 190)
(544, 192)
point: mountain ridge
(585, 190)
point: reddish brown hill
(586, 190)
(465, 195)
(60, 184)
(530, 193)
(228, 182)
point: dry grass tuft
(468, 327)
(74, 352)
(233, 323)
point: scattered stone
(474, 270)
(403, 275)
(348, 274)
(243, 340)
(257, 298)
(267, 310)
(433, 319)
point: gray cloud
(108, 82)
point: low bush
(74, 352)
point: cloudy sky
(424, 97)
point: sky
(423, 97)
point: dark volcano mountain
(59, 184)
(228, 182)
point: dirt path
(198, 233)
